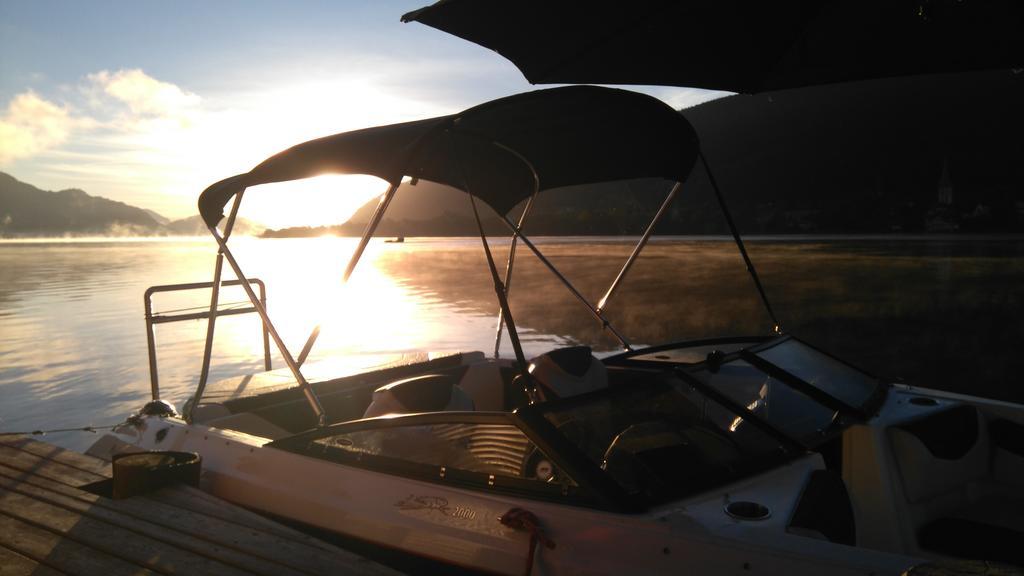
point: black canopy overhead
(737, 45)
(566, 136)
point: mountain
(430, 209)
(28, 211)
(160, 218)
(931, 153)
(194, 226)
(871, 156)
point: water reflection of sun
(370, 313)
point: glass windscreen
(789, 411)
(662, 439)
(829, 375)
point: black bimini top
(736, 45)
(561, 136)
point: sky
(149, 102)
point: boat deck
(50, 525)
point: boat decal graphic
(414, 502)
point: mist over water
(937, 312)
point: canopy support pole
(307, 389)
(639, 246)
(371, 227)
(597, 313)
(512, 246)
(777, 328)
(211, 323)
(500, 292)
(499, 288)
(508, 267)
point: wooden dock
(49, 525)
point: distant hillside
(850, 158)
(28, 211)
(160, 219)
(429, 209)
(194, 226)
(869, 157)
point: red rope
(524, 520)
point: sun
(233, 134)
(320, 201)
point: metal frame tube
(153, 319)
(371, 227)
(639, 246)
(499, 288)
(597, 313)
(211, 323)
(307, 389)
(266, 334)
(739, 243)
(501, 293)
(510, 263)
(154, 384)
(308, 345)
(512, 246)
(517, 233)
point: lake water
(940, 312)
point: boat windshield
(788, 410)
(661, 438)
(799, 391)
(833, 377)
(672, 432)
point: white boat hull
(461, 527)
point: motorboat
(758, 454)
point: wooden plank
(62, 455)
(184, 497)
(73, 469)
(191, 498)
(50, 549)
(32, 465)
(111, 539)
(38, 469)
(168, 534)
(15, 564)
(241, 546)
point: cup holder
(746, 510)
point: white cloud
(128, 136)
(31, 125)
(143, 94)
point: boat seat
(428, 393)
(956, 506)
(941, 453)
(484, 384)
(568, 372)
